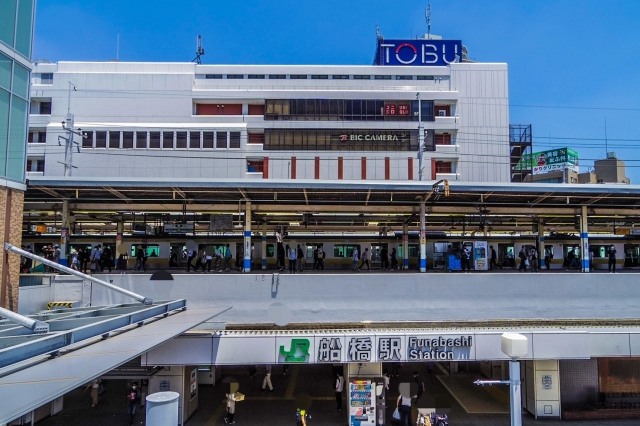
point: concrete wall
(11, 206)
(311, 298)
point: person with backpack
(133, 398)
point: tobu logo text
(419, 52)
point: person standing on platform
(299, 259)
(227, 257)
(355, 258)
(280, 256)
(533, 259)
(365, 260)
(419, 384)
(267, 379)
(465, 260)
(140, 258)
(492, 259)
(394, 259)
(339, 387)
(321, 256)
(231, 408)
(384, 258)
(133, 398)
(315, 258)
(523, 260)
(548, 255)
(612, 258)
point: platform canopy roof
(339, 205)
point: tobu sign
(418, 52)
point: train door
(506, 255)
(177, 254)
(440, 254)
(376, 254)
(308, 255)
(571, 255)
(631, 255)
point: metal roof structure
(339, 205)
(82, 344)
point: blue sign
(418, 52)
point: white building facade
(185, 120)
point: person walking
(419, 384)
(133, 398)
(140, 259)
(267, 379)
(365, 260)
(280, 256)
(523, 260)
(339, 387)
(533, 259)
(404, 408)
(492, 259)
(292, 256)
(95, 391)
(612, 258)
(355, 257)
(231, 408)
(299, 259)
(548, 255)
(227, 257)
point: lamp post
(515, 346)
(420, 137)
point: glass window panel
(141, 140)
(207, 140)
(154, 140)
(277, 76)
(87, 140)
(221, 140)
(4, 129)
(167, 140)
(127, 140)
(101, 139)
(256, 76)
(24, 27)
(17, 135)
(7, 21)
(114, 139)
(181, 140)
(235, 76)
(234, 139)
(194, 140)
(5, 72)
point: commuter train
(171, 252)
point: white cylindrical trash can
(162, 408)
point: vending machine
(480, 255)
(367, 402)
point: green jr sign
(298, 351)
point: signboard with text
(549, 161)
(418, 52)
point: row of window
(321, 77)
(166, 139)
(348, 110)
(345, 140)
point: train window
(271, 250)
(345, 250)
(599, 251)
(414, 250)
(152, 250)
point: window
(298, 77)
(35, 165)
(154, 140)
(443, 167)
(256, 76)
(319, 77)
(362, 77)
(234, 139)
(87, 139)
(256, 138)
(181, 140)
(207, 140)
(345, 250)
(256, 109)
(167, 140)
(43, 78)
(271, 250)
(443, 139)
(425, 77)
(213, 76)
(382, 77)
(277, 76)
(37, 136)
(127, 140)
(221, 140)
(151, 250)
(141, 140)
(404, 77)
(340, 77)
(101, 139)
(235, 76)
(194, 140)
(255, 166)
(114, 139)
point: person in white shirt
(339, 388)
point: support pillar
(541, 251)
(514, 388)
(264, 245)
(64, 233)
(584, 240)
(405, 246)
(246, 266)
(423, 240)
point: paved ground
(278, 407)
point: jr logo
(298, 351)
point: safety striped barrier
(51, 305)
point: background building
(272, 122)
(16, 34)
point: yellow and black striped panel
(51, 305)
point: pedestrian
(339, 387)
(96, 255)
(227, 257)
(208, 259)
(493, 258)
(231, 408)
(302, 417)
(133, 398)
(191, 254)
(612, 258)
(404, 408)
(56, 253)
(384, 258)
(533, 259)
(523, 259)
(267, 379)
(465, 259)
(365, 260)
(94, 386)
(299, 259)
(419, 384)
(140, 258)
(394, 259)
(386, 378)
(292, 255)
(74, 260)
(548, 255)
(355, 258)
(280, 256)
(321, 256)
(316, 262)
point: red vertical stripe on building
(340, 168)
(293, 167)
(265, 168)
(387, 168)
(363, 168)
(316, 167)
(433, 169)
(410, 168)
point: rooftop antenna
(378, 32)
(427, 14)
(199, 51)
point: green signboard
(549, 161)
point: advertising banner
(548, 161)
(418, 52)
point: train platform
(465, 404)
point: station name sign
(418, 52)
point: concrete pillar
(119, 232)
(64, 233)
(264, 245)
(246, 266)
(541, 390)
(423, 240)
(584, 240)
(405, 246)
(543, 263)
(11, 206)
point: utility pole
(67, 125)
(420, 137)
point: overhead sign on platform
(418, 52)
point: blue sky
(573, 64)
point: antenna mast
(199, 51)
(427, 13)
